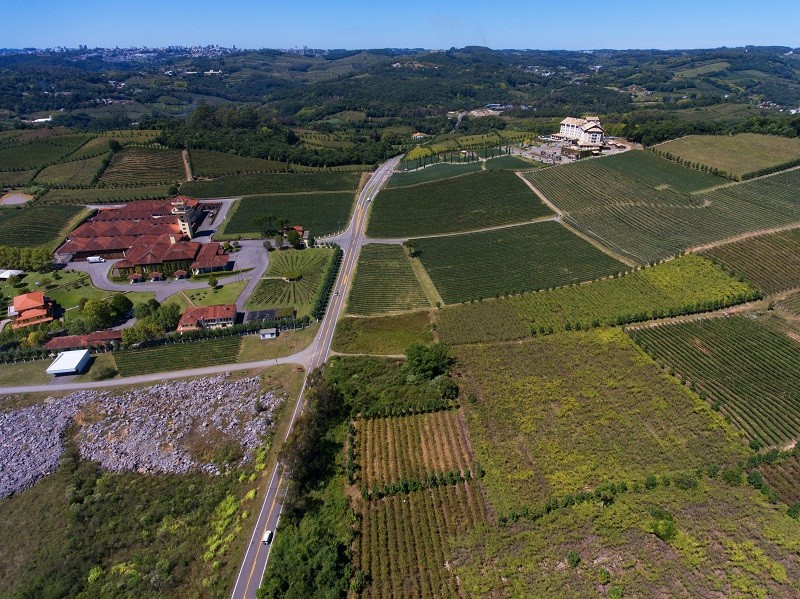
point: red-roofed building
(29, 309)
(210, 258)
(207, 317)
(92, 340)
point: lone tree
(213, 282)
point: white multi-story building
(586, 132)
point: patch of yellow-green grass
(382, 335)
(222, 294)
(24, 373)
(286, 343)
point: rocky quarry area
(154, 429)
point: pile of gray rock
(148, 430)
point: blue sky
(555, 24)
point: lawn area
(682, 286)
(293, 280)
(738, 155)
(382, 335)
(748, 371)
(222, 294)
(177, 356)
(484, 199)
(25, 373)
(385, 282)
(770, 262)
(512, 260)
(286, 343)
(648, 208)
(263, 183)
(320, 213)
(572, 411)
(32, 226)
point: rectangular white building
(585, 132)
(69, 362)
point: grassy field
(74, 173)
(747, 370)
(385, 282)
(140, 167)
(770, 262)
(25, 373)
(262, 183)
(292, 280)
(287, 343)
(513, 260)
(35, 225)
(382, 335)
(223, 294)
(784, 477)
(103, 196)
(511, 163)
(682, 286)
(479, 200)
(435, 172)
(726, 542)
(739, 155)
(177, 356)
(646, 208)
(572, 411)
(320, 213)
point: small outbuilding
(7, 274)
(69, 362)
(268, 333)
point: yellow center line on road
(260, 543)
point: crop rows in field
(435, 172)
(661, 209)
(144, 166)
(109, 195)
(275, 291)
(208, 163)
(511, 163)
(474, 201)
(511, 260)
(784, 478)
(385, 282)
(792, 304)
(404, 540)
(682, 286)
(39, 152)
(747, 369)
(74, 173)
(320, 213)
(738, 155)
(264, 183)
(177, 356)
(35, 225)
(411, 447)
(15, 178)
(770, 262)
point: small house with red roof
(207, 317)
(30, 309)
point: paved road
(255, 559)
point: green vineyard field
(403, 545)
(739, 155)
(770, 262)
(74, 173)
(178, 356)
(320, 213)
(483, 199)
(512, 260)
(682, 286)
(35, 225)
(572, 411)
(275, 291)
(138, 167)
(646, 208)
(39, 152)
(784, 478)
(207, 163)
(404, 447)
(111, 195)
(385, 282)
(16, 178)
(263, 183)
(435, 172)
(747, 370)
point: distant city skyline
(359, 24)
